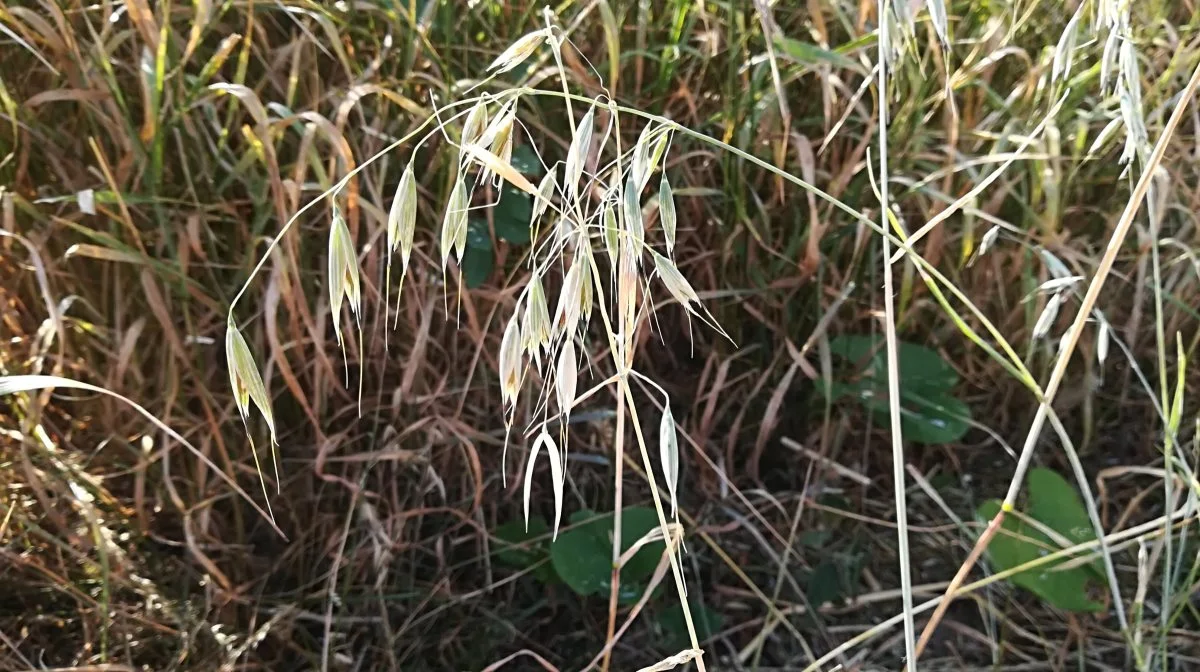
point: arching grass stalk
(889, 327)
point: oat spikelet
(577, 154)
(566, 316)
(666, 212)
(556, 477)
(475, 124)
(244, 378)
(612, 232)
(402, 220)
(541, 201)
(401, 227)
(566, 377)
(510, 363)
(343, 277)
(536, 328)
(519, 51)
(1046, 320)
(454, 224)
(634, 226)
(668, 447)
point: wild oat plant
(590, 220)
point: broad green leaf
(707, 621)
(525, 160)
(522, 550)
(931, 419)
(929, 414)
(824, 585)
(582, 556)
(918, 364)
(512, 214)
(478, 261)
(518, 548)
(1054, 503)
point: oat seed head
(541, 201)
(556, 476)
(1064, 51)
(343, 278)
(510, 363)
(454, 224)
(666, 212)
(520, 50)
(612, 232)
(566, 377)
(475, 124)
(566, 315)
(537, 317)
(245, 380)
(635, 228)
(577, 154)
(668, 447)
(1042, 327)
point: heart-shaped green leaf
(478, 261)
(919, 365)
(512, 214)
(522, 550)
(1055, 504)
(525, 160)
(674, 627)
(928, 412)
(582, 555)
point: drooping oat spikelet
(1059, 284)
(343, 277)
(475, 124)
(1064, 52)
(675, 283)
(244, 378)
(497, 137)
(587, 292)
(647, 153)
(536, 329)
(556, 477)
(666, 212)
(566, 316)
(566, 377)
(668, 447)
(577, 154)
(635, 228)
(1046, 319)
(988, 240)
(454, 223)
(402, 219)
(612, 232)
(510, 363)
(541, 200)
(1108, 59)
(248, 387)
(401, 227)
(1102, 341)
(519, 51)
(627, 286)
